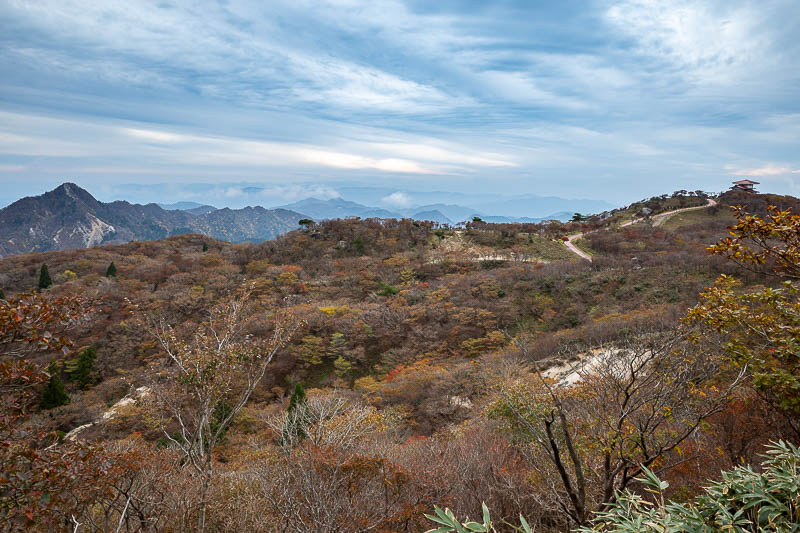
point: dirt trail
(658, 218)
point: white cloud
(451, 155)
(710, 43)
(354, 86)
(397, 199)
(154, 136)
(766, 170)
(96, 141)
(258, 63)
(232, 192)
(290, 193)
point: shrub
(449, 523)
(387, 290)
(743, 501)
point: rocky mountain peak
(70, 217)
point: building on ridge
(744, 185)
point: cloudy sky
(613, 100)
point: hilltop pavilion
(744, 185)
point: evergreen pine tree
(298, 397)
(205, 246)
(111, 271)
(80, 369)
(359, 244)
(44, 278)
(2, 295)
(297, 421)
(53, 394)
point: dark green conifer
(205, 246)
(298, 397)
(80, 369)
(2, 295)
(53, 394)
(296, 421)
(111, 271)
(44, 278)
(359, 245)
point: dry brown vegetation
(419, 385)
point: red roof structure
(744, 185)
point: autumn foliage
(441, 366)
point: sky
(611, 100)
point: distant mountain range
(337, 208)
(494, 202)
(190, 207)
(442, 213)
(70, 217)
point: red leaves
(394, 372)
(36, 321)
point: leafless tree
(209, 378)
(619, 408)
(332, 476)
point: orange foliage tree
(760, 329)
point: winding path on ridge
(580, 253)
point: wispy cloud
(766, 170)
(706, 41)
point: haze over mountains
(70, 217)
(461, 204)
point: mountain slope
(70, 217)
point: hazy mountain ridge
(337, 208)
(333, 208)
(70, 217)
(432, 215)
(189, 207)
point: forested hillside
(405, 366)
